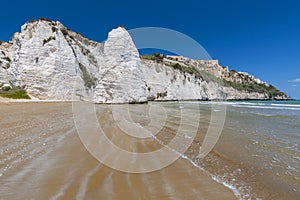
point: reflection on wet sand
(42, 157)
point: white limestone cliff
(6, 54)
(43, 62)
(52, 62)
(120, 79)
(165, 83)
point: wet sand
(42, 157)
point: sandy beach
(42, 157)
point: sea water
(258, 153)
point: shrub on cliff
(155, 57)
(13, 93)
(89, 80)
(270, 90)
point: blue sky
(257, 36)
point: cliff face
(48, 60)
(6, 54)
(53, 62)
(166, 83)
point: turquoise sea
(258, 153)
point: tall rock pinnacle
(120, 77)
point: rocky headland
(47, 61)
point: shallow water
(258, 152)
(265, 145)
(256, 157)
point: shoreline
(7, 100)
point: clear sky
(261, 37)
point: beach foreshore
(35, 100)
(7, 100)
(40, 146)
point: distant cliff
(49, 61)
(185, 78)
